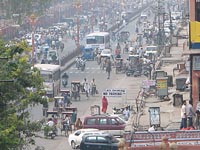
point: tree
(20, 86)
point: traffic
(109, 58)
(98, 70)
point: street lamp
(78, 6)
(33, 20)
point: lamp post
(92, 20)
(78, 6)
(33, 20)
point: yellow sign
(195, 31)
(162, 84)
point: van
(111, 124)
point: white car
(106, 53)
(76, 137)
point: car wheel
(73, 144)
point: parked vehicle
(76, 137)
(105, 122)
(102, 141)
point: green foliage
(20, 87)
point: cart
(75, 90)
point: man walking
(183, 116)
(108, 67)
(190, 113)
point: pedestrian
(83, 84)
(67, 101)
(87, 89)
(67, 123)
(78, 124)
(73, 118)
(104, 104)
(126, 113)
(108, 67)
(93, 86)
(62, 45)
(190, 114)
(183, 116)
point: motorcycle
(82, 65)
(50, 131)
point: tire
(73, 145)
(53, 135)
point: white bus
(100, 40)
(51, 75)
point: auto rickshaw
(75, 90)
(134, 67)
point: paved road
(132, 85)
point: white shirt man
(126, 113)
(50, 123)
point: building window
(197, 12)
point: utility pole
(159, 27)
(78, 6)
(33, 20)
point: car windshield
(120, 120)
(106, 52)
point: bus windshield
(95, 40)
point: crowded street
(113, 75)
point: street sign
(114, 92)
(148, 83)
(154, 115)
